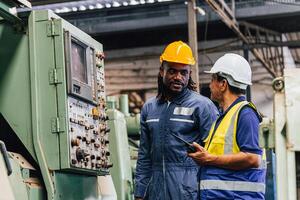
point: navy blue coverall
(164, 171)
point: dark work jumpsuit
(164, 171)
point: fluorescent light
(99, 6)
(116, 4)
(133, 2)
(82, 8)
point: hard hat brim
(176, 60)
(209, 72)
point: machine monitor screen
(79, 66)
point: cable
(205, 38)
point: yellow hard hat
(178, 52)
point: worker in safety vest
(164, 171)
(233, 164)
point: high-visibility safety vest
(219, 183)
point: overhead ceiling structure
(66, 6)
(132, 14)
(294, 37)
(156, 22)
(271, 57)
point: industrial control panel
(88, 128)
(53, 74)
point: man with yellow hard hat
(164, 171)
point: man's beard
(172, 93)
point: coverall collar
(179, 98)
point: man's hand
(201, 156)
(237, 161)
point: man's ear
(224, 85)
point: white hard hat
(235, 68)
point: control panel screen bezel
(75, 87)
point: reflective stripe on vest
(232, 186)
(223, 140)
(229, 137)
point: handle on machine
(6, 159)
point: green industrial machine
(280, 136)
(53, 118)
(123, 126)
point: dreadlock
(161, 91)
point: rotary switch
(80, 154)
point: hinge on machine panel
(53, 28)
(57, 124)
(55, 76)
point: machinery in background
(281, 137)
(125, 129)
(53, 109)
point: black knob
(80, 154)
(95, 132)
(73, 162)
(107, 130)
(102, 140)
(109, 165)
(98, 165)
